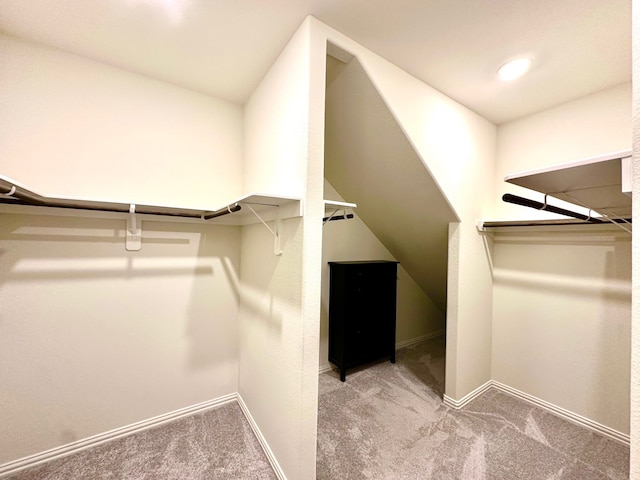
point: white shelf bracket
(133, 241)
(277, 249)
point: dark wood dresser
(362, 313)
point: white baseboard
(538, 402)
(407, 343)
(325, 368)
(420, 339)
(458, 404)
(80, 445)
(263, 442)
(564, 413)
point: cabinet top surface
(362, 262)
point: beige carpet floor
(388, 421)
(214, 445)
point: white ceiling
(224, 47)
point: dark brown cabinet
(362, 313)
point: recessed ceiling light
(514, 69)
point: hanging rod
(17, 195)
(526, 202)
(337, 217)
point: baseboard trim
(420, 339)
(538, 402)
(95, 440)
(407, 343)
(277, 469)
(458, 404)
(564, 413)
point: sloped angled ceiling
(369, 161)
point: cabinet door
(370, 332)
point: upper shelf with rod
(15, 197)
(601, 185)
(249, 209)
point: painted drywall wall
(562, 320)
(416, 315)
(562, 302)
(104, 133)
(280, 296)
(370, 161)
(597, 124)
(458, 148)
(635, 331)
(94, 338)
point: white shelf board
(594, 183)
(334, 204)
(268, 206)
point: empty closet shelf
(17, 198)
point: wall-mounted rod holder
(133, 240)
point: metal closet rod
(21, 196)
(526, 202)
(338, 217)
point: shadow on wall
(268, 284)
(562, 320)
(588, 264)
(93, 337)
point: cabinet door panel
(362, 312)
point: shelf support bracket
(133, 241)
(277, 249)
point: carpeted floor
(217, 444)
(388, 422)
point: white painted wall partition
(458, 148)
(280, 296)
(92, 337)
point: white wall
(280, 296)
(562, 300)
(416, 315)
(93, 337)
(635, 333)
(596, 124)
(562, 320)
(72, 126)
